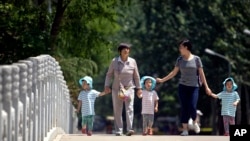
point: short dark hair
(186, 43)
(123, 45)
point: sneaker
(226, 134)
(197, 128)
(118, 134)
(150, 132)
(84, 130)
(89, 133)
(130, 132)
(144, 134)
(184, 133)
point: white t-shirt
(148, 101)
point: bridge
(35, 105)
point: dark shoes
(130, 132)
(89, 133)
(84, 130)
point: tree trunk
(56, 25)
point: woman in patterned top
(191, 70)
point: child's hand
(156, 109)
(235, 103)
(139, 95)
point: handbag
(123, 95)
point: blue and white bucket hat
(234, 84)
(148, 77)
(89, 81)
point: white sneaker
(118, 133)
(184, 133)
(197, 128)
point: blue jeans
(188, 97)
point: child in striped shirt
(86, 103)
(149, 103)
(229, 101)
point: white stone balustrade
(35, 102)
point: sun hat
(89, 81)
(229, 79)
(148, 77)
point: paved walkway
(110, 137)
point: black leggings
(188, 97)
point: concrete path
(111, 137)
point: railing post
(30, 95)
(40, 99)
(7, 103)
(50, 94)
(17, 104)
(46, 94)
(1, 105)
(24, 98)
(34, 106)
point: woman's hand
(159, 80)
(139, 92)
(107, 90)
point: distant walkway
(109, 137)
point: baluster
(7, 102)
(17, 104)
(34, 89)
(23, 96)
(30, 95)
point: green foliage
(23, 32)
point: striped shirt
(88, 101)
(148, 101)
(227, 100)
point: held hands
(139, 96)
(159, 80)
(139, 92)
(107, 90)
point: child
(229, 101)
(149, 103)
(86, 103)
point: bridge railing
(35, 103)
